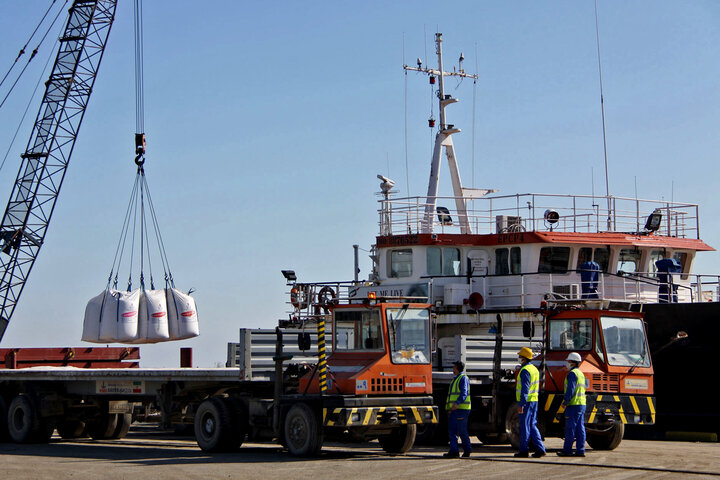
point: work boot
(563, 453)
(451, 455)
(522, 455)
(579, 454)
(466, 454)
(539, 454)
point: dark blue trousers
(574, 428)
(529, 429)
(457, 426)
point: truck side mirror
(304, 342)
(528, 328)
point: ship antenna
(602, 110)
(407, 173)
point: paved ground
(151, 455)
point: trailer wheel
(401, 440)
(70, 429)
(103, 426)
(303, 432)
(240, 420)
(512, 425)
(24, 425)
(124, 420)
(608, 439)
(4, 436)
(214, 426)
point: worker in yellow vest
(574, 402)
(457, 407)
(527, 390)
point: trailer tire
(214, 426)
(512, 425)
(240, 416)
(124, 420)
(303, 432)
(400, 441)
(70, 429)
(606, 439)
(24, 425)
(4, 435)
(103, 426)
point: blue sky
(267, 123)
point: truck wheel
(401, 440)
(240, 420)
(124, 420)
(24, 425)
(512, 425)
(4, 436)
(429, 434)
(303, 432)
(103, 426)
(71, 429)
(606, 439)
(214, 426)
(490, 438)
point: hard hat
(574, 357)
(525, 352)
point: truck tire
(430, 434)
(214, 426)
(400, 441)
(70, 429)
(4, 435)
(512, 425)
(608, 439)
(303, 432)
(24, 425)
(103, 426)
(494, 438)
(240, 420)
(124, 420)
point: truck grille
(602, 382)
(386, 384)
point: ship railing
(539, 212)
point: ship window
(682, 258)
(629, 260)
(507, 261)
(600, 255)
(400, 263)
(554, 259)
(655, 255)
(443, 261)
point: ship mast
(444, 139)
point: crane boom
(43, 166)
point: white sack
(108, 317)
(127, 316)
(91, 322)
(153, 319)
(182, 315)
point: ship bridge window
(655, 255)
(600, 255)
(682, 258)
(554, 259)
(628, 260)
(443, 261)
(400, 263)
(507, 261)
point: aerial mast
(443, 139)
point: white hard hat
(574, 357)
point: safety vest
(534, 390)
(454, 394)
(578, 397)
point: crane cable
(32, 56)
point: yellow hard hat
(526, 353)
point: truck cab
(377, 349)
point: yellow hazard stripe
(621, 411)
(548, 402)
(634, 404)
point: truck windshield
(358, 330)
(571, 334)
(625, 342)
(409, 330)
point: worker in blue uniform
(527, 390)
(574, 402)
(457, 407)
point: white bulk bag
(91, 322)
(127, 316)
(182, 315)
(153, 320)
(109, 317)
